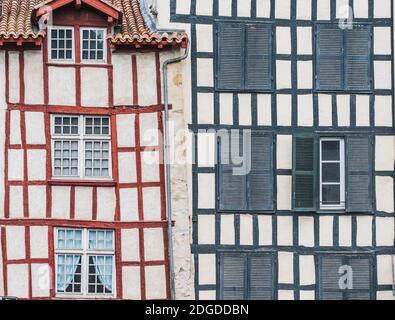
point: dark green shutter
(233, 277)
(258, 57)
(304, 173)
(328, 277)
(329, 58)
(230, 56)
(359, 198)
(362, 269)
(358, 58)
(261, 277)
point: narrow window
(93, 48)
(61, 43)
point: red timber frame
(78, 109)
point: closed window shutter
(260, 179)
(329, 57)
(304, 173)
(230, 56)
(233, 277)
(362, 278)
(328, 277)
(359, 198)
(357, 59)
(261, 277)
(258, 57)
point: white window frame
(85, 252)
(49, 32)
(81, 137)
(342, 205)
(100, 61)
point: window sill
(82, 183)
(370, 91)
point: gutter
(168, 167)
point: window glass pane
(100, 270)
(68, 273)
(331, 194)
(330, 150)
(93, 45)
(69, 239)
(101, 239)
(331, 172)
(61, 44)
(65, 158)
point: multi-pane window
(84, 262)
(93, 44)
(81, 146)
(61, 45)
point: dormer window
(61, 43)
(92, 48)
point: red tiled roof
(16, 23)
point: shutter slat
(233, 287)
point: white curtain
(66, 276)
(104, 277)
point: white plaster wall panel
(384, 231)
(305, 111)
(206, 191)
(37, 202)
(384, 194)
(61, 86)
(35, 128)
(342, 9)
(285, 295)
(284, 151)
(382, 75)
(284, 191)
(128, 204)
(16, 202)
(345, 231)
(146, 66)
(382, 40)
(283, 9)
(283, 42)
(305, 74)
(15, 165)
(265, 225)
(152, 204)
(263, 8)
(155, 282)
(106, 204)
(34, 77)
(204, 7)
(207, 269)
(126, 130)
(36, 163)
(384, 153)
(382, 9)
(383, 111)
(41, 280)
(130, 245)
(245, 109)
(150, 166)
(385, 270)
(226, 108)
(131, 283)
(1, 271)
(94, 87)
(244, 8)
(206, 147)
(307, 295)
(326, 231)
(205, 76)
(264, 109)
(364, 231)
(14, 77)
(343, 110)
(83, 203)
(15, 127)
(18, 280)
(225, 8)
(324, 10)
(246, 230)
(122, 75)
(15, 238)
(362, 110)
(284, 110)
(154, 244)
(284, 231)
(303, 9)
(204, 37)
(205, 105)
(385, 295)
(306, 270)
(284, 74)
(61, 202)
(206, 229)
(304, 40)
(227, 229)
(39, 242)
(285, 267)
(306, 231)
(149, 134)
(325, 110)
(127, 167)
(2, 83)
(207, 295)
(361, 8)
